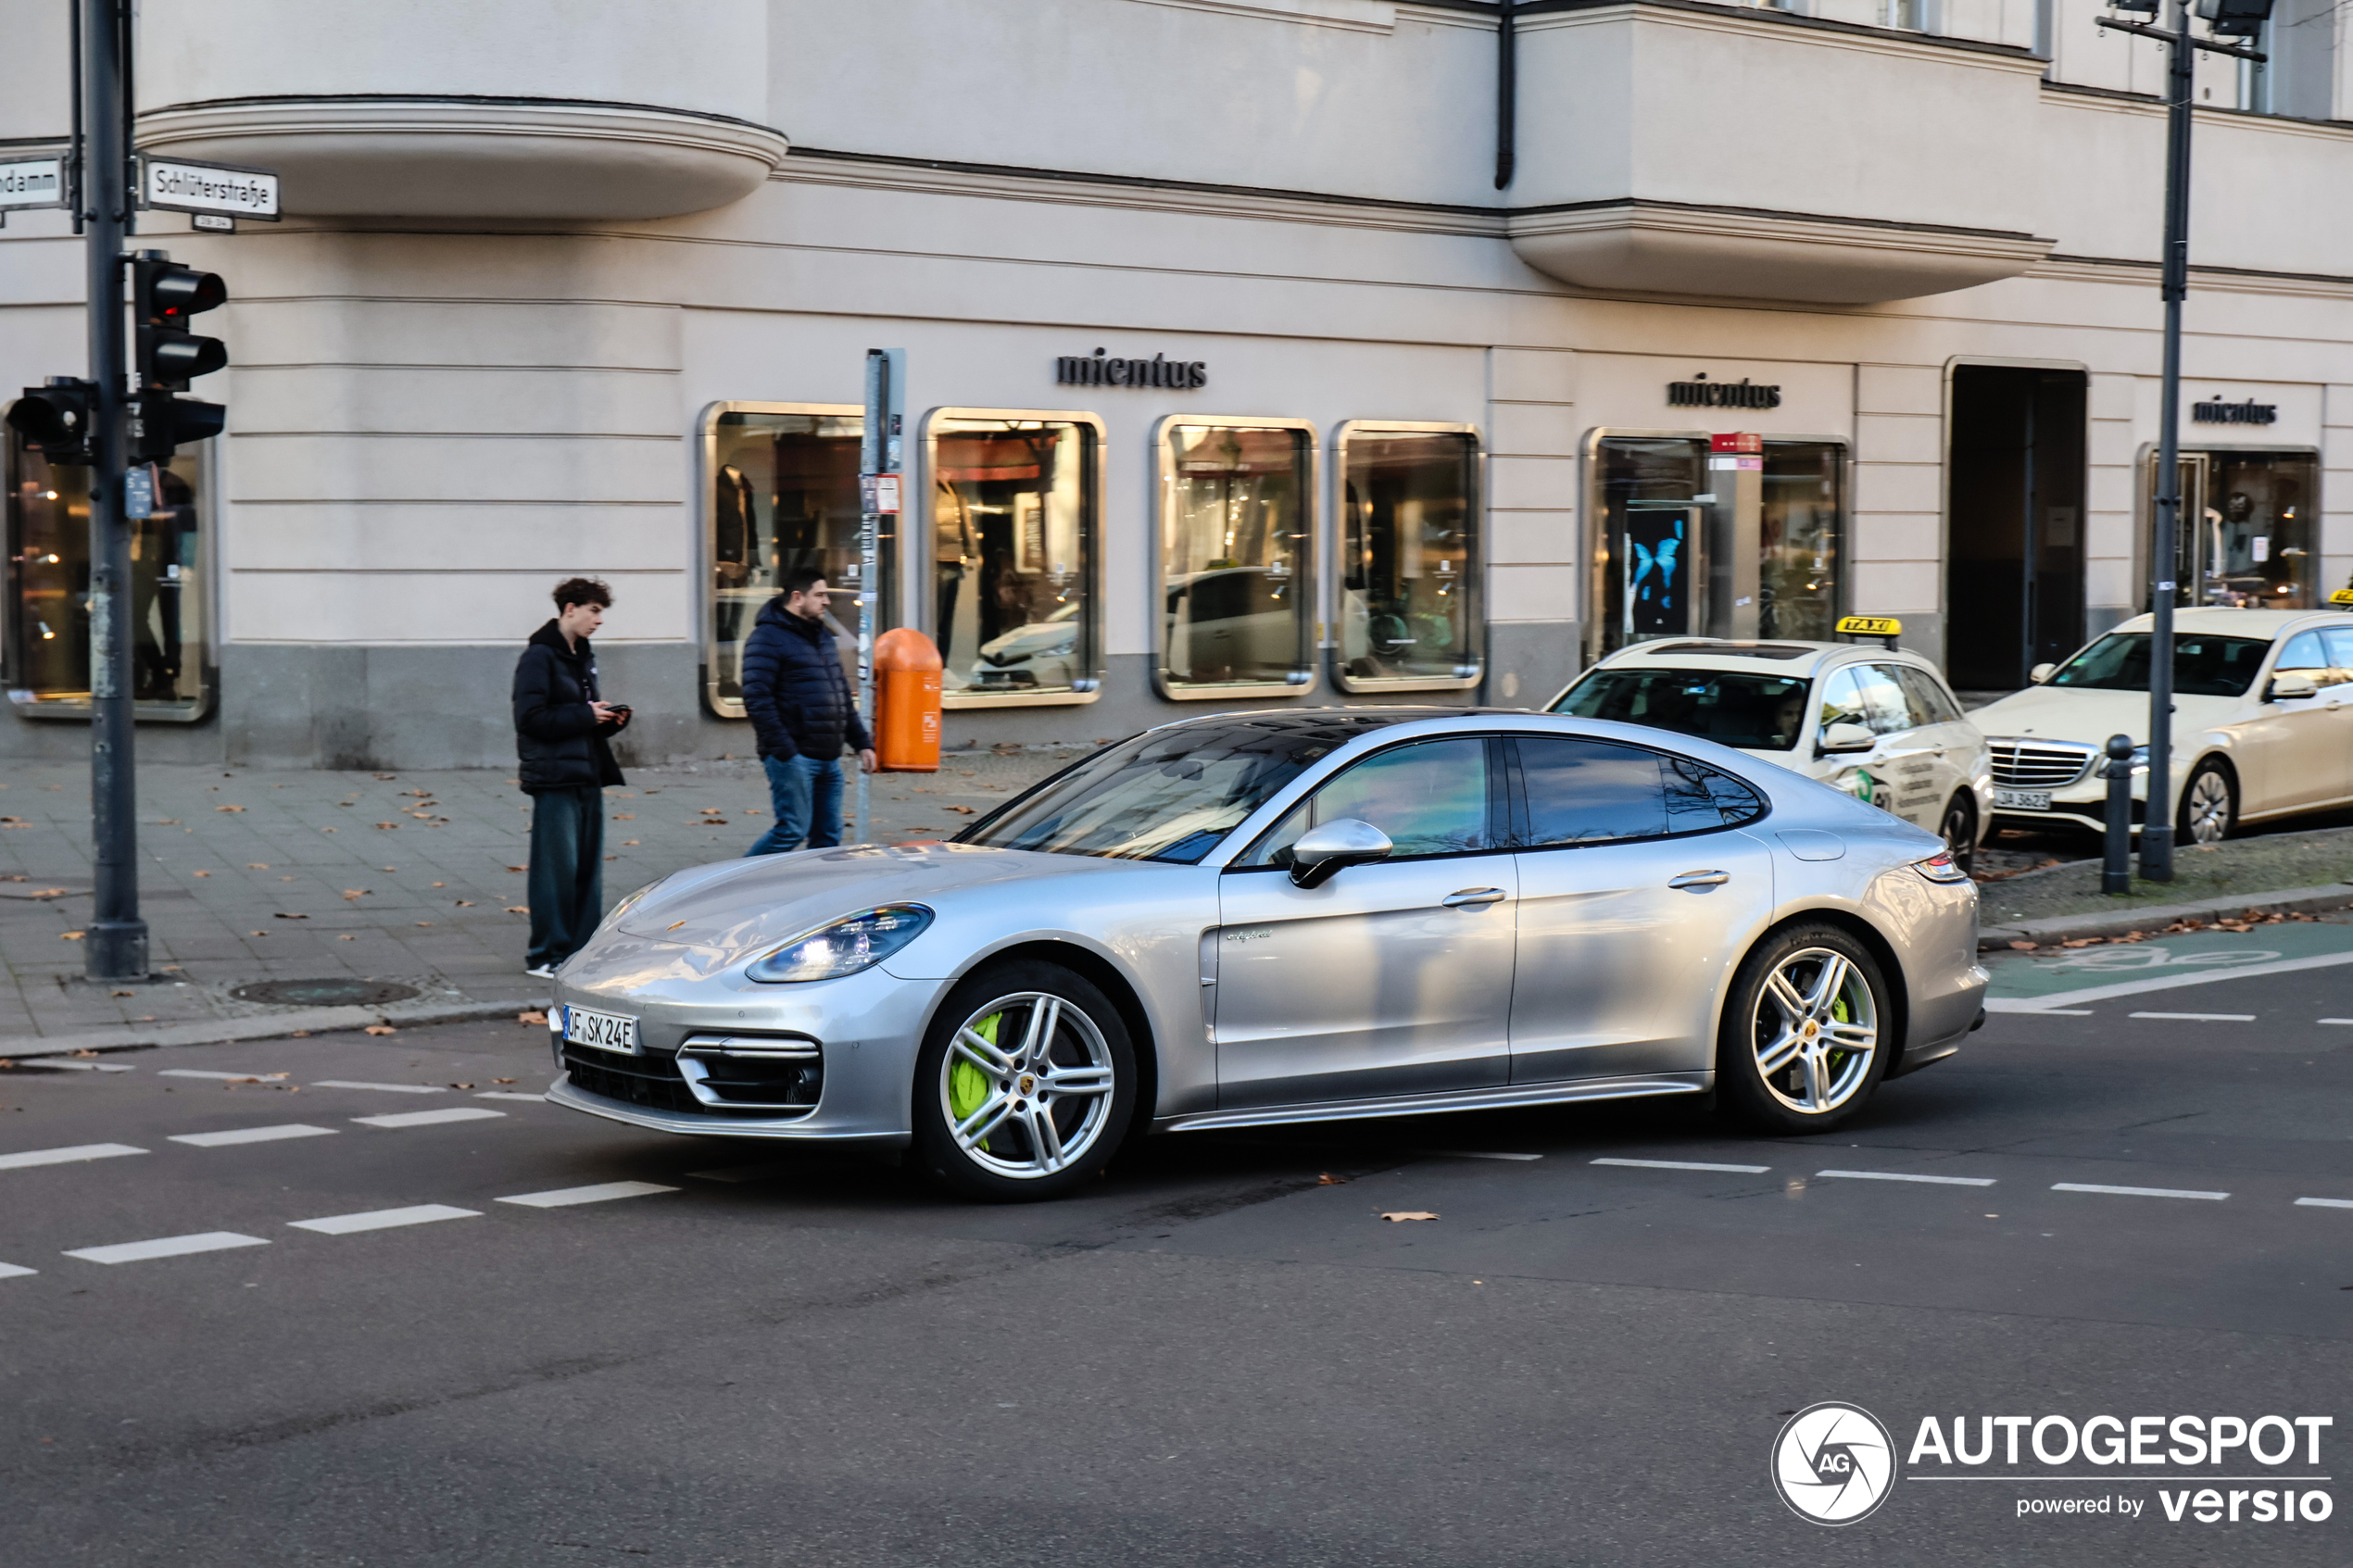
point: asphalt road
(1219, 1356)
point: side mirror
(1844, 737)
(1322, 851)
(2042, 672)
(2291, 684)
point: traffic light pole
(116, 946)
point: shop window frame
(1092, 639)
(1588, 634)
(1474, 585)
(707, 539)
(208, 456)
(1312, 619)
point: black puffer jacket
(795, 694)
(556, 737)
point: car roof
(2233, 623)
(1778, 656)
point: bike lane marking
(2057, 983)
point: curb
(2148, 916)
(227, 1031)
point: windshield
(2204, 665)
(1760, 712)
(1168, 795)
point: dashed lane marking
(65, 1156)
(2333, 1021)
(2137, 1192)
(429, 1117)
(385, 1219)
(1686, 1165)
(564, 1198)
(12, 1271)
(2325, 1203)
(1910, 1176)
(73, 1066)
(166, 1246)
(255, 1135)
(2202, 1017)
(509, 1094)
(225, 1077)
(388, 1088)
(1471, 1154)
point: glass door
(2249, 534)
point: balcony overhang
(425, 156)
(1633, 246)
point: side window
(1700, 797)
(2307, 655)
(2339, 642)
(1429, 797)
(1588, 791)
(1866, 694)
(1926, 700)
(1843, 698)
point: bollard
(907, 670)
(2116, 875)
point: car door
(2295, 751)
(1637, 892)
(1892, 771)
(1949, 746)
(1393, 978)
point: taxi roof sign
(2342, 596)
(1885, 627)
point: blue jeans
(806, 797)
(567, 879)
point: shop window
(1235, 581)
(2250, 531)
(782, 494)
(49, 591)
(1409, 558)
(1014, 503)
(1677, 538)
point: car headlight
(2140, 759)
(1941, 867)
(627, 902)
(844, 948)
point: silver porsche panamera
(1247, 918)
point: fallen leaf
(2023, 946)
(543, 1018)
(465, 903)
(530, 1015)
(385, 778)
(1328, 1180)
(625, 816)
(710, 811)
(713, 823)
(629, 843)
(356, 892)
(380, 1029)
(348, 937)
(70, 935)
(282, 915)
(167, 821)
(424, 923)
(228, 808)
(519, 868)
(1410, 1214)
(2081, 942)
(326, 830)
(462, 1085)
(394, 826)
(960, 810)
(519, 908)
(85, 1054)
(256, 865)
(122, 993)
(302, 1034)
(437, 884)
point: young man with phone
(803, 713)
(561, 726)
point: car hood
(2064, 713)
(738, 906)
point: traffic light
(163, 295)
(2235, 19)
(54, 420)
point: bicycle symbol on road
(2156, 955)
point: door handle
(1470, 896)
(1695, 882)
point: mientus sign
(2248, 413)
(1097, 370)
(1701, 393)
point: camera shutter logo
(1833, 1464)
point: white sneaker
(541, 971)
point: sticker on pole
(33, 182)
(176, 185)
(878, 493)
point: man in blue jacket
(561, 723)
(802, 710)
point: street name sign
(177, 185)
(32, 181)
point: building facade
(1253, 357)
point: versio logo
(1833, 1464)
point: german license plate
(606, 1031)
(2022, 800)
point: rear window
(1755, 713)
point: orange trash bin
(906, 702)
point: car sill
(1429, 1105)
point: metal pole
(2116, 872)
(871, 447)
(2157, 819)
(115, 947)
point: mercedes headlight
(844, 948)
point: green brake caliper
(1837, 1058)
(967, 1085)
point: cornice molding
(1377, 17)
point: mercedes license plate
(2022, 800)
(606, 1031)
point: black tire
(2205, 816)
(1017, 1157)
(1757, 1028)
(1959, 830)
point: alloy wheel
(1816, 1031)
(1027, 1083)
(2206, 809)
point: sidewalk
(413, 878)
